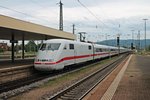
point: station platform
(135, 84)
(6, 63)
(128, 82)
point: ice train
(55, 54)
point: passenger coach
(56, 53)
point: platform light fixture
(145, 32)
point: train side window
(100, 50)
(103, 50)
(71, 46)
(90, 47)
(112, 49)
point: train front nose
(44, 64)
(44, 61)
(46, 56)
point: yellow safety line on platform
(113, 87)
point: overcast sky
(106, 17)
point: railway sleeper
(79, 89)
(84, 87)
(72, 96)
(75, 89)
(59, 99)
(68, 98)
(68, 95)
(72, 92)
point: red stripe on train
(69, 58)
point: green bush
(31, 46)
(1, 50)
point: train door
(78, 53)
(75, 53)
(72, 52)
(93, 50)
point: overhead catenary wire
(91, 13)
(25, 14)
(100, 21)
(94, 14)
(39, 5)
(42, 6)
(15, 11)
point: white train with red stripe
(56, 53)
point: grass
(76, 74)
(61, 82)
(143, 53)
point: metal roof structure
(30, 31)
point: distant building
(4, 46)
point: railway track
(11, 79)
(78, 90)
(34, 76)
(8, 75)
(4, 87)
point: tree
(1, 50)
(31, 46)
(148, 48)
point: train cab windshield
(50, 46)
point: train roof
(106, 46)
(77, 42)
(65, 41)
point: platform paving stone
(135, 84)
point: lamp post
(138, 37)
(132, 44)
(145, 32)
(118, 43)
(107, 38)
(132, 36)
(128, 43)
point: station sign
(13, 41)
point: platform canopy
(29, 31)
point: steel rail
(25, 81)
(78, 90)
